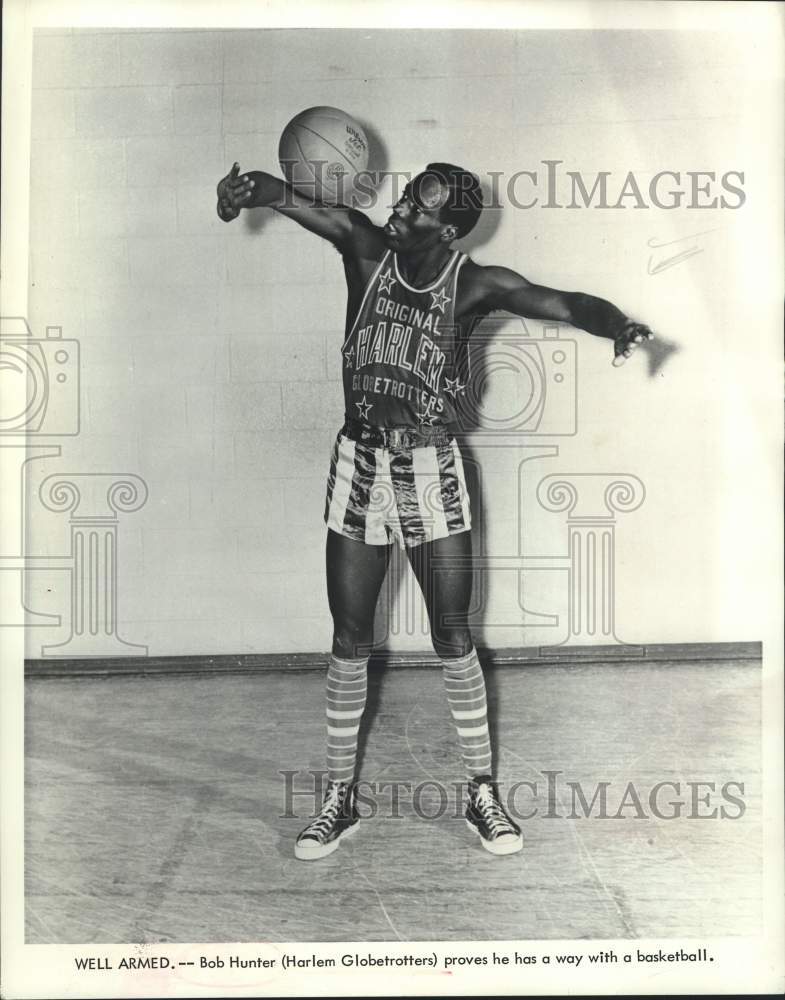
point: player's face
(415, 223)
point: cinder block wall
(210, 352)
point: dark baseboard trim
(532, 656)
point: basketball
(321, 152)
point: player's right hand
(234, 193)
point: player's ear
(448, 234)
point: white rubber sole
(510, 845)
(319, 851)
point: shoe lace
(492, 812)
(333, 799)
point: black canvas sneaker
(337, 818)
(486, 816)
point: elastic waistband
(394, 437)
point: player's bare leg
(355, 573)
(444, 572)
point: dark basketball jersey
(400, 359)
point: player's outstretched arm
(505, 289)
(257, 189)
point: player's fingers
(618, 360)
(642, 333)
(227, 181)
(235, 198)
(241, 186)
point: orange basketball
(321, 152)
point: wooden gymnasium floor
(155, 808)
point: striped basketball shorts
(379, 492)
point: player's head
(441, 204)
(461, 196)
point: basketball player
(396, 472)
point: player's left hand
(627, 339)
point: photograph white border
(741, 965)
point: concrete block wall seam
(124, 111)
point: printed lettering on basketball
(355, 142)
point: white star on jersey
(440, 300)
(386, 281)
(363, 406)
(428, 416)
(453, 386)
(349, 356)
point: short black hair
(464, 202)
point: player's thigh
(443, 569)
(355, 573)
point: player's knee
(452, 643)
(352, 640)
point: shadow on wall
(658, 352)
(378, 153)
(486, 226)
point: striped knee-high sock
(465, 685)
(346, 691)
